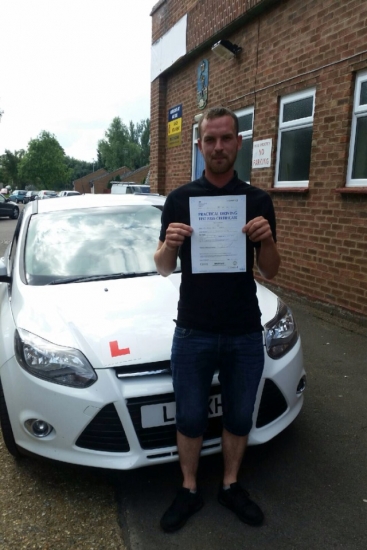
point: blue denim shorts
(196, 355)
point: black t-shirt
(217, 302)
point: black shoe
(237, 500)
(184, 505)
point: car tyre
(6, 427)
(15, 213)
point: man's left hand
(258, 229)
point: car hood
(112, 322)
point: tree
(10, 166)
(113, 150)
(44, 163)
(78, 168)
(125, 146)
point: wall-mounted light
(226, 49)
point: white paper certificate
(217, 242)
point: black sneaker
(237, 499)
(184, 505)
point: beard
(220, 164)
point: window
(244, 156)
(294, 139)
(357, 165)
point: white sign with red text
(261, 153)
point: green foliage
(79, 168)
(44, 163)
(9, 167)
(125, 146)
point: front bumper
(101, 426)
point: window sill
(288, 190)
(351, 190)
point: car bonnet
(111, 322)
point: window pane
(295, 155)
(298, 109)
(243, 161)
(199, 163)
(360, 150)
(363, 97)
(245, 123)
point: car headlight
(57, 364)
(281, 332)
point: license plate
(163, 414)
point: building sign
(174, 132)
(202, 84)
(261, 153)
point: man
(218, 324)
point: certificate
(217, 242)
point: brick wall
(288, 46)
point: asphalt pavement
(311, 481)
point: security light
(225, 49)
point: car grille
(165, 436)
(272, 404)
(144, 369)
(105, 433)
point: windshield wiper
(83, 279)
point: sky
(69, 67)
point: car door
(3, 206)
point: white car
(86, 326)
(68, 193)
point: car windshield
(92, 242)
(142, 189)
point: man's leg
(189, 452)
(234, 447)
(240, 374)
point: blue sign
(175, 112)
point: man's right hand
(166, 254)
(176, 234)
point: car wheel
(14, 213)
(6, 427)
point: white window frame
(248, 134)
(359, 111)
(296, 124)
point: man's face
(219, 144)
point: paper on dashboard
(217, 242)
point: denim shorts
(196, 355)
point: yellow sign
(174, 140)
(175, 126)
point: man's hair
(217, 112)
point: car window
(97, 241)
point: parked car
(85, 338)
(4, 191)
(46, 194)
(8, 208)
(17, 196)
(30, 196)
(68, 193)
(128, 188)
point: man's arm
(267, 256)
(166, 254)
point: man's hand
(176, 234)
(166, 254)
(268, 259)
(258, 229)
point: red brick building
(299, 87)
